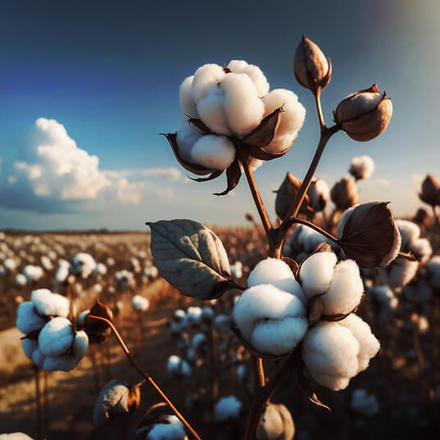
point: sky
(86, 88)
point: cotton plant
(303, 313)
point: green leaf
(190, 257)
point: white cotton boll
(292, 286)
(364, 403)
(194, 315)
(33, 273)
(272, 320)
(15, 436)
(50, 304)
(291, 118)
(211, 109)
(244, 109)
(112, 402)
(10, 264)
(222, 323)
(186, 98)
(29, 346)
(399, 273)
(433, 270)
(423, 325)
(198, 341)
(100, 269)
(316, 273)
(345, 290)
(28, 319)
(38, 358)
(46, 263)
(362, 167)
(280, 336)
(237, 66)
(227, 408)
(167, 431)
(206, 77)
(368, 344)
(56, 337)
(81, 318)
(409, 232)
(269, 271)
(330, 354)
(140, 303)
(421, 249)
(319, 194)
(214, 152)
(207, 314)
(384, 296)
(83, 264)
(59, 363)
(62, 272)
(178, 367)
(310, 239)
(258, 78)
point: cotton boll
(207, 314)
(80, 345)
(423, 325)
(20, 280)
(364, 403)
(178, 367)
(38, 358)
(186, 98)
(319, 194)
(212, 112)
(345, 290)
(173, 430)
(47, 303)
(27, 318)
(237, 66)
(361, 167)
(140, 303)
(198, 341)
(258, 78)
(222, 323)
(292, 286)
(399, 273)
(281, 143)
(269, 271)
(206, 77)
(330, 353)
(227, 408)
(244, 109)
(409, 232)
(368, 344)
(15, 436)
(433, 271)
(214, 152)
(272, 320)
(384, 296)
(194, 315)
(112, 402)
(56, 337)
(276, 423)
(29, 346)
(421, 249)
(291, 118)
(316, 273)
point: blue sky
(109, 72)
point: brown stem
(45, 403)
(145, 375)
(258, 202)
(38, 403)
(214, 365)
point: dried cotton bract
(270, 314)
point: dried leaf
(264, 133)
(97, 330)
(261, 154)
(200, 125)
(134, 398)
(190, 257)
(233, 175)
(212, 176)
(292, 264)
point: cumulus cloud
(53, 174)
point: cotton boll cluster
(276, 423)
(227, 408)
(302, 242)
(162, 428)
(140, 303)
(364, 403)
(51, 341)
(232, 102)
(334, 352)
(100, 269)
(178, 367)
(33, 273)
(125, 278)
(151, 272)
(271, 314)
(83, 265)
(361, 167)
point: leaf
(260, 153)
(190, 257)
(233, 175)
(200, 125)
(305, 385)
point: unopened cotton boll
(319, 195)
(186, 98)
(227, 408)
(214, 152)
(271, 320)
(244, 109)
(276, 423)
(56, 337)
(47, 303)
(361, 167)
(140, 303)
(364, 403)
(291, 118)
(112, 402)
(316, 273)
(334, 352)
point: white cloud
(172, 173)
(58, 168)
(417, 179)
